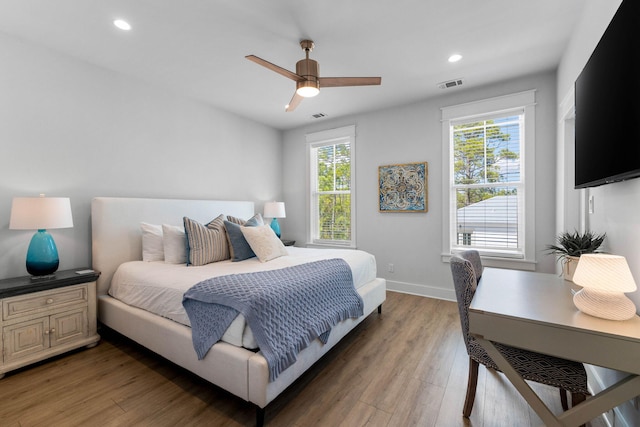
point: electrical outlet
(390, 268)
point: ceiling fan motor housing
(309, 69)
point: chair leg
(576, 399)
(472, 382)
(563, 399)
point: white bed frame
(116, 238)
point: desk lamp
(274, 210)
(41, 213)
(604, 279)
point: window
(488, 174)
(331, 179)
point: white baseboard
(614, 417)
(421, 290)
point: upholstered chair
(567, 375)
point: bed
(117, 241)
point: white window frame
(524, 101)
(346, 134)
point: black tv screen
(607, 104)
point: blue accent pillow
(238, 246)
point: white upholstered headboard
(115, 226)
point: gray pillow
(238, 246)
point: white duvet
(158, 286)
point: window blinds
(487, 183)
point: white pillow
(264, 242)
(175, 244)
(152, 244)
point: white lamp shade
(604, 272)
(274, 210)
(40, 213)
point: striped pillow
(206, 244)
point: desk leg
(620, 392)
(548, 418)
(625, 389)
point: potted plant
(571, 245)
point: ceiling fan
(307, 76)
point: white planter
(569, 267)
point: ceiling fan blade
(273, 67)
(349, 81)
(295, 101)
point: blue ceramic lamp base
(275, 226)
(42, 255)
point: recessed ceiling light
(122, 24)
(455, 58)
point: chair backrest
(463, 271)
(473, 257)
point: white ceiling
(197, 47)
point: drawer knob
(49, 300)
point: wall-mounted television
(607, 104)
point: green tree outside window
(334, 191)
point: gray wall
(616, 205)
(70, 129)
(413, 241)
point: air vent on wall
(450, 84)
(318, 115)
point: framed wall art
(403, 188)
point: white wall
(616, 205)
(71, 129)
(413, 241)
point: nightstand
(288, 242)
(45, 317)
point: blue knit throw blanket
(286, 308)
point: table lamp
(41, 213)
(274, 210)
(604, 279)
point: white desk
(535, 311)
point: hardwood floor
(405, 367)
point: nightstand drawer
(25, 305)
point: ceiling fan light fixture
(308, 88)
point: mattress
(158, 286)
